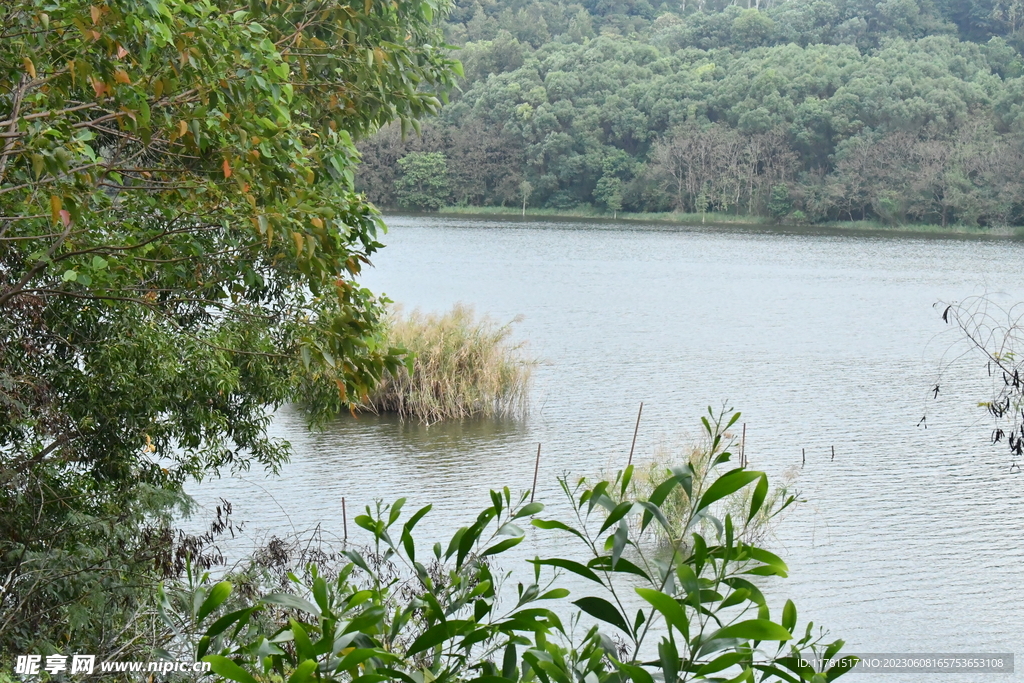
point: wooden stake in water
(833, 452)
(536, 468)
(635, 430)
(743, 447)
(803, 457)
(344, 518)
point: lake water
(907, 542)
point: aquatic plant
(463, 365)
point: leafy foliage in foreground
(397, 612)
(179, 240)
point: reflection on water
(907, 540)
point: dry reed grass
(463, 366)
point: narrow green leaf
(757, 499)
(222, 666)
(728, 483)
(600, 608)
(303, 671)
(722, 662)
(574, 567)
(789, 616)
(620, 511)
(291, 602)
(754, 629)
(635, 673)
(529, 509)
(502, 546)
(218, 594)
(552, 524)
(669, 608)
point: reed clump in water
(464, 365)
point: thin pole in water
(743, 447)
(635, 431)
(833, 452)
(536, 468)
(344, 518)
(803, 457)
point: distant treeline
(807, 110)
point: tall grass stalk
(463, 366)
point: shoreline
(715, 220)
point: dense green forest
(904, 111)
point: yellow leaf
(298, 243)
(122, 77)
(310, 176)
(158, 88)
(29, 67)
(98, 86)
(121, 52)
(96, 14)
(55, 206)
(182, 128)
(226, 167)
(317, 223)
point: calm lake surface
(909, 541)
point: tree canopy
(897, 112)
(179, 240)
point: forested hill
(903, 111)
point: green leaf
(635, 673)
(728, 483)
(303, 671)
(789, 616)
(757, 499)
(669, 608)
(303, 645)
(225, 621)
(604, 563)
(357, 657)
(222, 666)
(574, 567)
(529, 509)
(600, 608)
(552, 524)
(218, 594)
(69, 276)
(435, 635)
(502, 546)
(722, 662)
(754, 629)
(291, 602)
(620, 511)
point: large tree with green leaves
(179, 240)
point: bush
(394, 613)
(462, 366)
